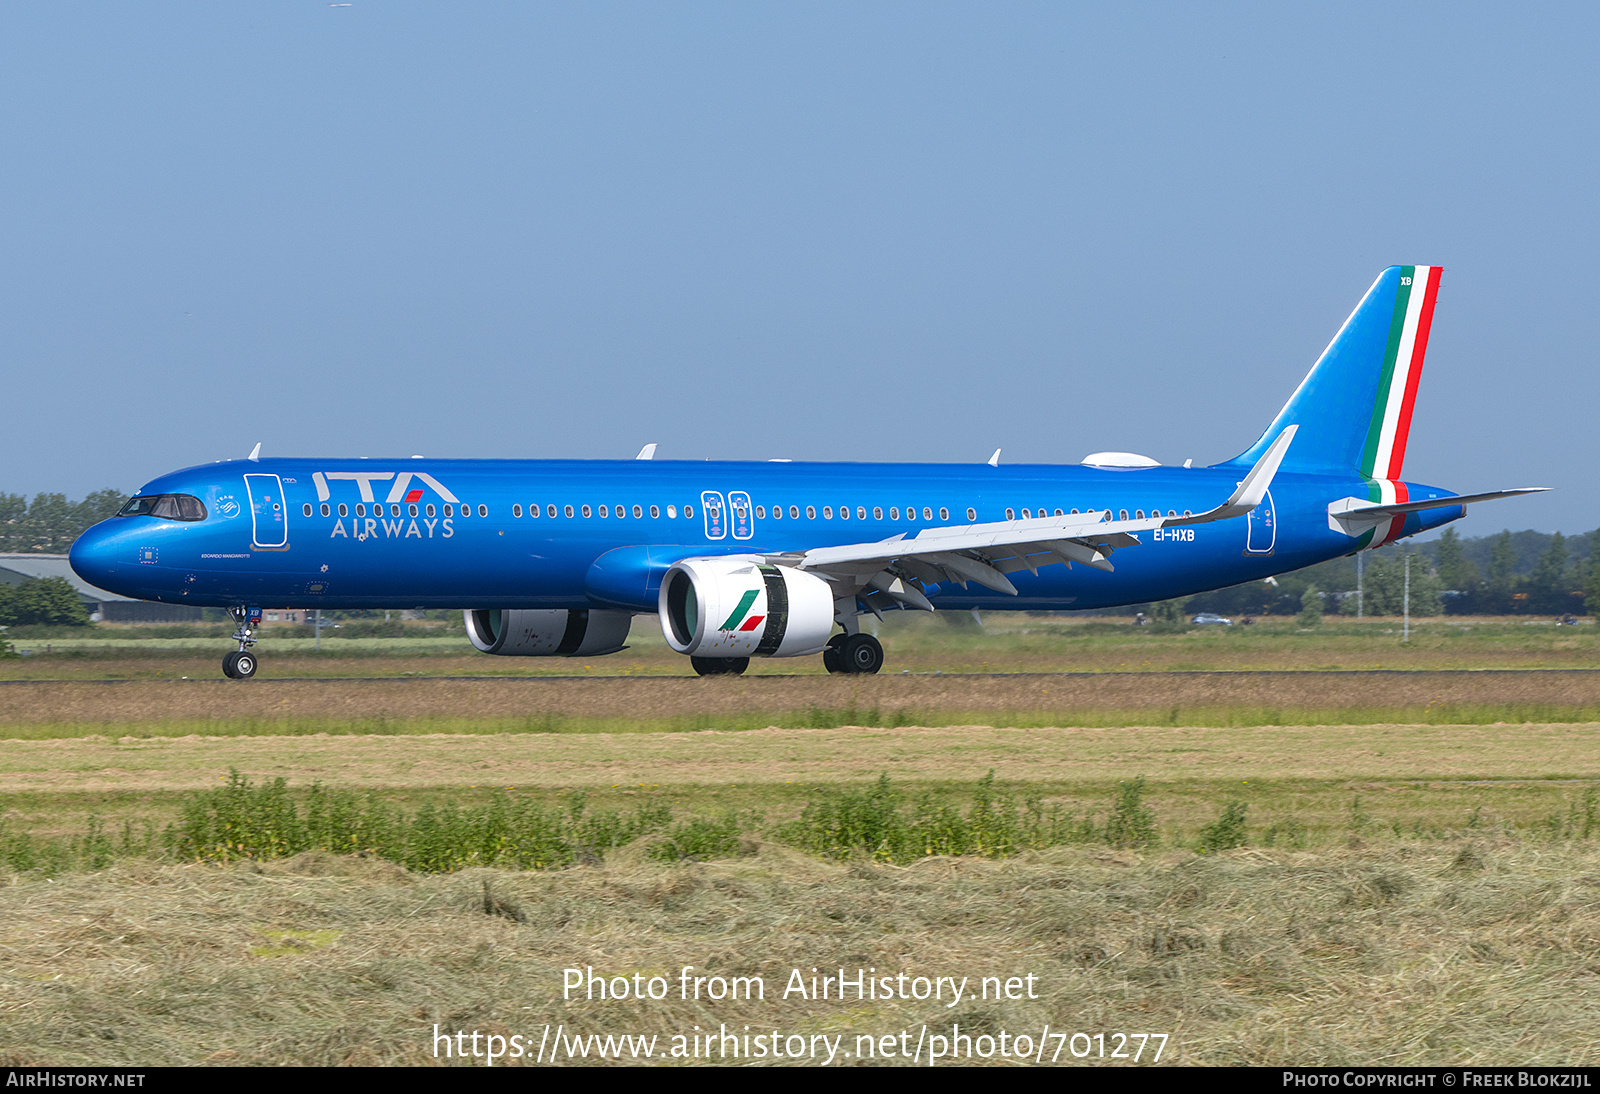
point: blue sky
(853, 231)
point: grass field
(913, 641)
(1336, 864)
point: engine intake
(729, 607)
(528, 632)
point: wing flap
(900, 567)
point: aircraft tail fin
(1354, 407)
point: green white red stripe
(1390, 427)
(1385, 492)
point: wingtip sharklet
(1252, 490)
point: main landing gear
(845, 653)
(241, 663)
(853, 653)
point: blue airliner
(551, 558)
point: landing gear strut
(241, 663)
(720, 666)
(853, 653)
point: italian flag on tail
(1385, 450)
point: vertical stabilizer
(1354, 407)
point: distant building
(101, 605)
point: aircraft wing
(899, 569)
(1353, 516)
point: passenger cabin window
(638, 511)
(794, 512)
(361, 510)
(483, 510)
(1138, 514)
(1011, 514)
(655, 512)
(927, 512)
(811, 512)
(861, 512)
(516, 510)
(305, 510)
(549, 511)
(761, 512)
(1027, 514)
(877, 512)
(894, 512)
(412, 509)
(672, 512)
(568, 511)
(827, 512)
(605, 511)
(433, 512)
(587, 512)
(344, 510)
(688, 512)
(1124, 513)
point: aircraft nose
(93, 556)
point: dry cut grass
(1401, 953)
(645, 704)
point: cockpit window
(165, 506)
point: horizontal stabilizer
(1355, 516)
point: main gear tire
(861, 653)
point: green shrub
(1310, 607)
(1131, 823)
(876, 821)
(1227, 831)
(239, 820)
(700, 838)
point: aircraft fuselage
(466, 534)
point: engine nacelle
(527, 632)
(730, 607)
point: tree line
(50, 523)
(50, 601)
(1512, 573)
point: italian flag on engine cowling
(1385, 450)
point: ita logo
(227, 506)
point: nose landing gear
(241, 664)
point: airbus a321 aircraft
(553, 558)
